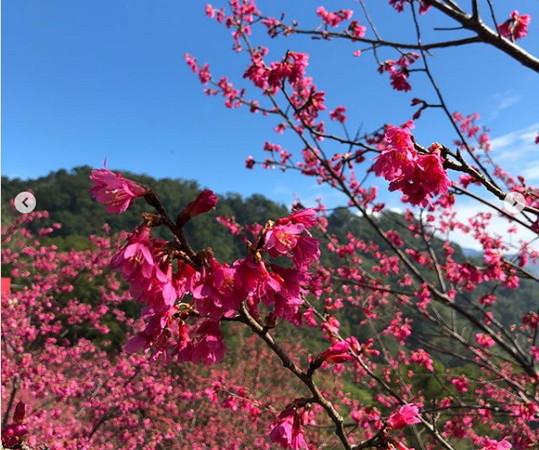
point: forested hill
(65, 195)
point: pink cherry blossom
(259, 282)
(516, 27)
(398, 71)
(421, 357)
(135, 260)
(491, 444)
(461, 383)
(398, 154)
(484, 340)
(399, 328)
(115, 191)
(218, 293)
(205, 201)
(418, 176)
(357, 30)
(338, 114)
(405, 415)
(208, 348)
(333, 19)
(337, 353)
(306, 217)
(289, 299)
(286, 239)
(399, 5)
(287, 432)
(153, 334)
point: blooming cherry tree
(428, 361)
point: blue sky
(84, 81)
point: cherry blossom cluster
(233, 97)
(398, 71)
(374, 295)
(188, 295)
(334, 19)
(481, 147)
(163, 276)
(270, 78)
(243, 14)
(418, 176)
(399, 5)
(61, 390)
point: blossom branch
(304, 377)
(487, 35)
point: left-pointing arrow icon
(25, 202)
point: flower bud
(206, 201)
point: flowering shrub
(66, 385)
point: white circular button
(514, 203)
(25, 202)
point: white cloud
(516, 147)
(503, 101)
(531, 172)
(308, 195)
(498, 225)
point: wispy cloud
(502, 102)
(517, 151)
(308, 195)
(531, 172)
(518, 154)
(499, 225)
